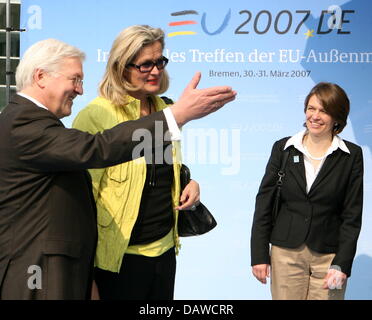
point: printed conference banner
(272, 53)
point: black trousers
(53, 277)
(140, 278)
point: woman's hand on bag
(261, 272)
(190, 196)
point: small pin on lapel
(296, 159)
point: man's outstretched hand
(197, 103)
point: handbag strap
(279, 183)
(167, 100)
(281, 172)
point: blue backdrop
(272, 53)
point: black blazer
(46, 202)
(327, 219)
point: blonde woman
(137, 202)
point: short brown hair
(334, 101)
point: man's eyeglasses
(149, 65)
(77, 81)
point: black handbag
(193, 222)
(279, 184)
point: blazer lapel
(297, 168)
(328, 165)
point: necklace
(312, 157)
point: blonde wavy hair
(127, 45)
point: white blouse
(310, 171)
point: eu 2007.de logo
(332, 20)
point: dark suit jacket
(327, 219)
(46, 203)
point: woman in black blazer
(314, 235)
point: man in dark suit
(47, 212)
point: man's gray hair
(46, 55)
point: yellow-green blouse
(118, 190)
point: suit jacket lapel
(328, 165)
